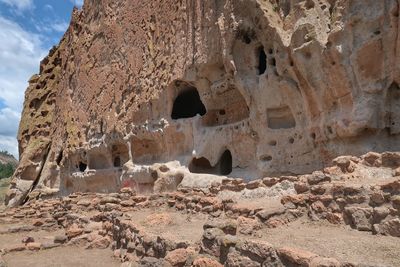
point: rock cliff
(152, 94)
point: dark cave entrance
(59, 158)
(203, 165)
(262, 60)
(188, 104)
(117, 162)
(225, 163)
(82, 166)
(200, 165)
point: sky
(28, 30)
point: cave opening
(117, 162)
(82, 166)
(203, 165)
(59, 158)
(225, 163)
(262, 60)
(188, 104)
(200, 165)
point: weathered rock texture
(146, 93)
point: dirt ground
(63, 256)
(336, 241)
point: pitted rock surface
(149, 95)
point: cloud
(20, 5)
(9, 120)
(60, 26)
(78, 3)
(48, 7)
(20, 54)
(9, 144)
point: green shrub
(6, 170)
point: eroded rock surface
(149, 94)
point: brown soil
(62, 256)
(337, 241)
(7, 240)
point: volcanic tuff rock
(148, 94)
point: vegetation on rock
(7, 164)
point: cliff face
(148, 94)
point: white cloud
(78, 3)
(48, 7)
(20, 5)
(9, 144)
(9, 120)
(20, 54)
(60, 26)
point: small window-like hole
(222, 112)
(313, 136)
(82, 166)
(291, 140)
(117, 161)
(266, 158)
(272, 143)
(377, 32)
(262, 60)
(246, 39)
(59, 158)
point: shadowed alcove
(203, 165)
(188, 104)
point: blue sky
(28, 29)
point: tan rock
(177, 257)
(206, 262)
(296, 256)
(247, 226)
(15, 248)
(28, 239)
(34, 246)
(100, 243)
(73, 231)
(324, 262)
(38, 222)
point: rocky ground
(344, 215)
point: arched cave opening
(262, 60)
(200, 165)
(225, 163)
(188, 104)
(203, 165)
(117, 162)
(120, 154)
(82, 166)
